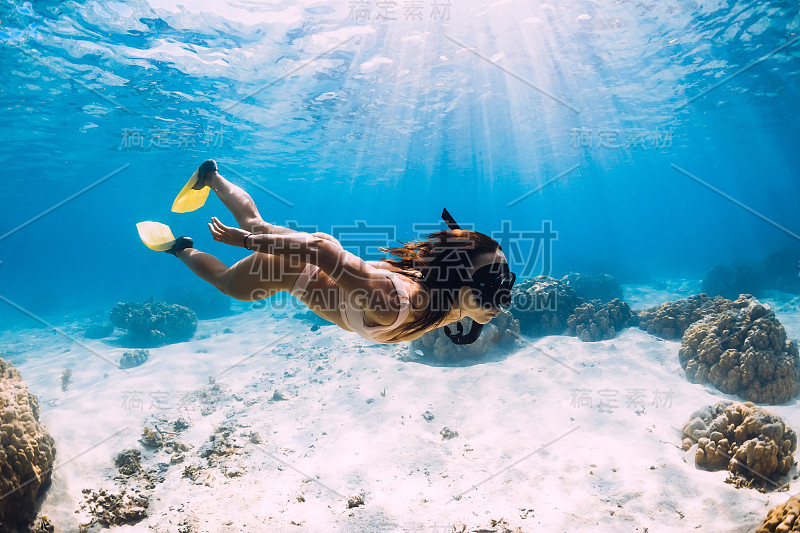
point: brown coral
(597, 321)
(542, 305)
(152, 439)
(671, 319)
(109, 508)
(783, 518)
(742, 350)
(27, 451)
(753, 444)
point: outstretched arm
(266, 227)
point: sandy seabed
(288, 428)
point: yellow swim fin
(155, 235)
(190, 199)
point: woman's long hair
(441, 263)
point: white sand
(530, 449)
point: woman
(427, 284)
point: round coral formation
(777, 271)
(154, 323)
(133, 359)
(503, 330)
(744, 351)
(542, 305)
(731, 281)
(603, 287)
(27, 451)
(597, 321)
(783, 518)
(751, 443)
(671, 319)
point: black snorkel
(475, 330)
(448, 218)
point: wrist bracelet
(245, 241)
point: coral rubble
(109, 508)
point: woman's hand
(226, 234)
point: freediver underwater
(429, 283)
(274, 378)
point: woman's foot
(181, 243)
(206, 172)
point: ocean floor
(269, 426)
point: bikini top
(354, 314)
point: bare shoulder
(411, 286)
(383, 266)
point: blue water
(328, 118)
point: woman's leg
(206, 266)
(241, 205)
(255, 277)
(259, 275)
(244, 208)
